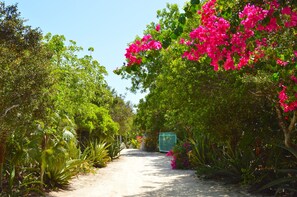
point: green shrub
(204, 151)
(283, 184)
(114, 150)
(57, 176)
(86, 165)
(180, 155)
(151, 142)
(99, 154)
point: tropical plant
(203, 151)
(114, 150)
(25, 69)
(180, 155)
(99, 154)
(284, 184)
(56, 164)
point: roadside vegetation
(58, 117)
(222, 76)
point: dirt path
(144, 174)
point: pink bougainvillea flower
(146, 43)
(292, 22)
(283, 98)
(286, 10)
(173, 163)
(281, 62)
(251, 16)
(294, 78)
(158, 27)
(182, 41)
(146, 38)
(283, 101)
(271, 26)
(154, 45)
(170, 153)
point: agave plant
(99, 154)
(114, 150)
(202, 153)
(284, 182)
(60, 175)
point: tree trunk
(43, 159)
(287, 130)
(3, 138)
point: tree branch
(8, 109)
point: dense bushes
(224, 81)
(58, 117)
(180, 156)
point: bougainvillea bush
(261, 37)
(226, 69)
(252, 40)
(246, 37)
(180, 156)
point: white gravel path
(143, 174)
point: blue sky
(108, 26)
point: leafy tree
(234, 113)
(122, 113)
(233, 35)
(253, 40)
(25, 69)
(80, 92)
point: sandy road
(142, 174)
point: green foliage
(151, 141)
(56, 165)
(59, 175)
(114, 150)
(285, 184)
(135, 143)
(203, 151)
(122, 113)
(25, 68)
(78, 79)
(53, 100)
(256, 168)
(95, 123)
(99, 154)
(181, 159)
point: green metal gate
(166, 141)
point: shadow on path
(161, 180)
(144, 174)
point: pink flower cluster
(208, 38)
(281, 62)
(158, 27)
(251, 16)
(292, 21)
(283, 100)
(213, 38)
(180, 156)
(283, 97)
(173, 161)
(134, 49)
